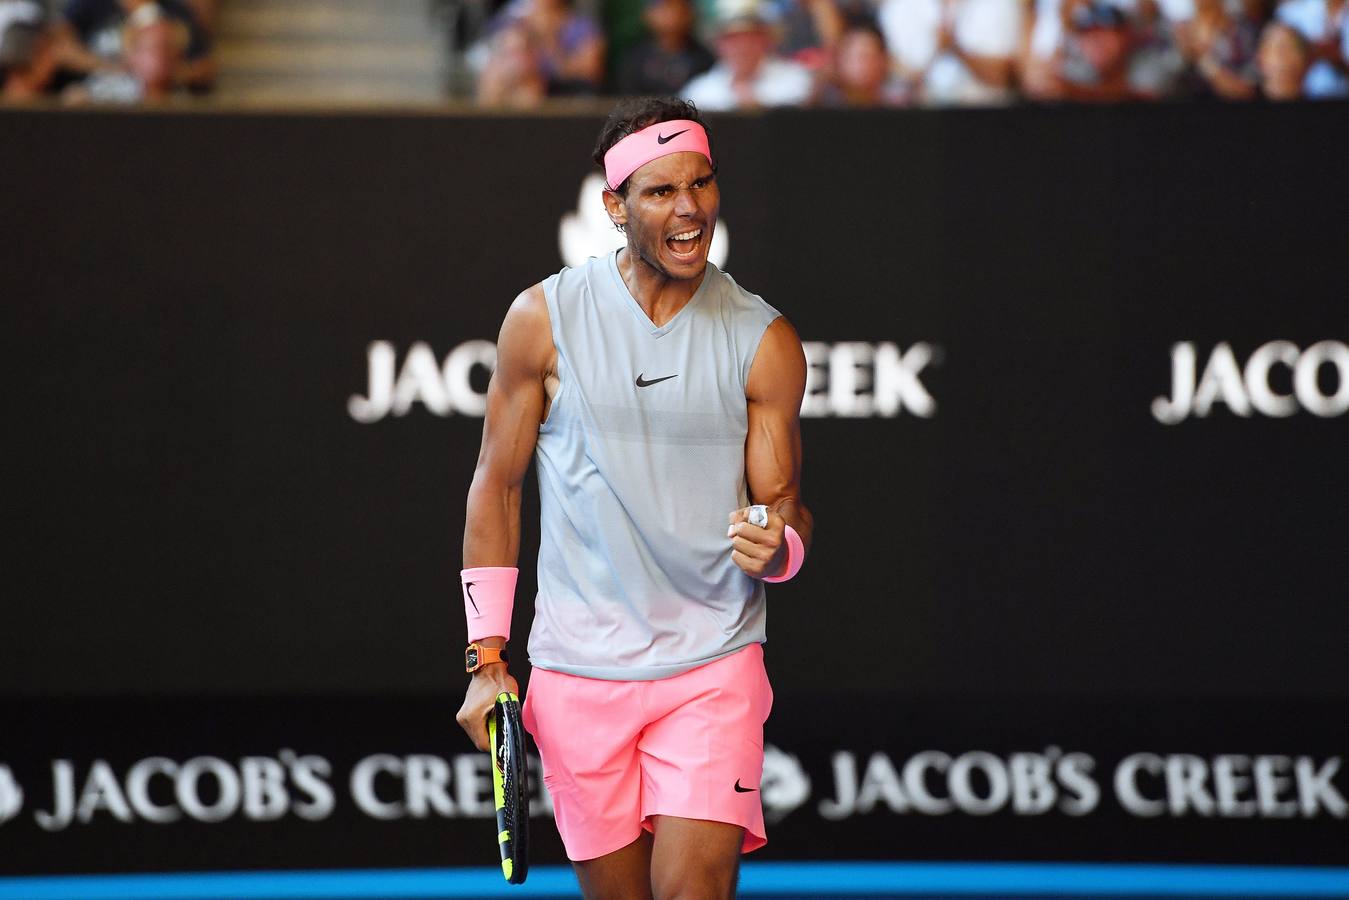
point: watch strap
(477, 655)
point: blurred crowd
(742, 54)
(105, 51)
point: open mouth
(684, 245)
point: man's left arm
(777, 382)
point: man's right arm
(516, 405)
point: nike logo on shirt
(642, 382)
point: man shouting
(661, 401)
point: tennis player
(661, 401)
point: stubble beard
(649, 253)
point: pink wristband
(489, 599)
(796, 555)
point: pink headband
(653, 142)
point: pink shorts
(616, 753)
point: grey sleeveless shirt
(640, 461)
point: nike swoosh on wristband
(468, 589)
(642, 382)
(662, 139)
(743, 790)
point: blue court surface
(781, 880)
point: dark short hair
(866, 24)
(636, 113)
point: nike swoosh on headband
(662, 139)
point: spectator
(747, 73)
(670, 57)
(1157, 62)
(27, 54)
(513, 76)
(959, 51)
(90, 39)
(1284, 59)
(1324, 26)
(1162, 51)
(810, 30)
(153, 46)
(570, 44)
(1224, 44)
(1094, 66)
(861, 74)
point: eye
(660, 192)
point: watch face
(471, 658)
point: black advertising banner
(263, 782)
(1075, 440)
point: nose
(684, 203)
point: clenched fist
(759, 551)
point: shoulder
(1295, 12)
(781, 341)
(740, 302)
(778, 371)
(709, 90)
(983, 12)
(779, 66)
(529, 309)
(717, 73)
(572, 280)
(784, 81)
(526, 340)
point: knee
(695, 880)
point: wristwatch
(476, 656)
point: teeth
(688, 235)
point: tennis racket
(510, 786)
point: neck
(1283, 90)
(745, 77)
(863, 95)
(670, 43)
(659, 296)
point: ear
(616, 207)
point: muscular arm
(517, 402)
(777, 382)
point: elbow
(490, 487)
